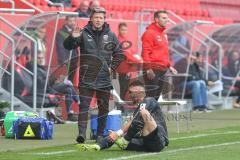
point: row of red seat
(223, 9)
(181, 7)
(222, 2)
(124, 9)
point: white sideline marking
(204, 135)
(189, 137)
(176, 150)
(51, 153)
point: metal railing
(56, 4)
(220, 53)
(32, 6)
(12, 3)
(17, 10)
(12, 67)
(35, 59)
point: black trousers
(154, 87)
(73, 67)
(86, 95)
(123, 83)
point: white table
(177, 103)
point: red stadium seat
(30, 1)
(69, 9)
(75, 3)
(44, 3)
(36, 2)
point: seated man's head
(70, 22)
(41, 32)
(94, 4)
(41, 59)
(136, 91)
(197, 58)
(84, 6)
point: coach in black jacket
(100, 55)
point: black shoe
(80, 139)
(52, 117)
(207, 109)
(72, 117)
(196, 108)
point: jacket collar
(105, 29)
(155, 27)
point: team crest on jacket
(105, 37)
(159, 39)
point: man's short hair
(122, 24)
(136, 83)
(67, 17)
(98, 10)
(197, 54)
(156, 14)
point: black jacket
(195, 73)
(100, 52)
(155, 110)
(41, 76)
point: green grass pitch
(207, 136)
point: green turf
(206, 131)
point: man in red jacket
(155, 54)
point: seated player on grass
(146, 131)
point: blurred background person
(63, 55)
(232, 70)
(198, 84)
(56, 86)
(39, 34)
(83, 9)
(126, 68)
(94, 4)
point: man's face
(41, 32)
(162, 20)
(70, 22)
(235, 56)
(98, 20)
(95, 4)
(84, 6)
(123, 31)
(199, 60)
(137, 93)
(41, 59)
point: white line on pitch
(204, 135)
(188, 137)
(51, 153)
(175, 150)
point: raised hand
(76, 32)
